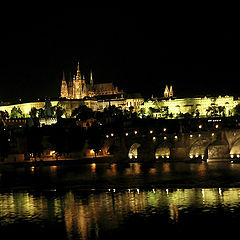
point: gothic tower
(70, 87)
(166, 92)
(91, 79)
(171, 92)
(64, 88)
(80, 88)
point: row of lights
(196, 156)
(154, 138)
(199, 135)
(234, 155)
(135, 190)
(162, 156)
(164, 130)
(200, 126)
(135, 132)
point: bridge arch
(199, 149)
(235, 150)
(162, 151)
(133, 151)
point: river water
(112, 201)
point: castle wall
(70, 105)
(190, 105)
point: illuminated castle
(77, 88)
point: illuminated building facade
(77, 88)
(125, 103)
(200, 106)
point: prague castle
(77, 88)
(76, 92)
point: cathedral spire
(171, 92)
(91, 78)
(64, 87)
(78, 72)
(64, 79)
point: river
(115, 201)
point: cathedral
(77, 88)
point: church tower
(70, 87)
(91, 79)
(64, 88)
(171, 92)
(79, 85)
(166, 92)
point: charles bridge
(146, 144)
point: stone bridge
(203, 145)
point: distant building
(201, 106)
(168, 93)
(77, 88)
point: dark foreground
(110, 201)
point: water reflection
(90, 214)
(103, 175)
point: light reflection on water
(95, 214)
(131, 175)
(128, 198)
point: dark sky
(140, 50)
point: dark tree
(83, 113)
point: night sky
(140, 50)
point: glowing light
(52, 153)
(200, 126)
(154, 138)
(112, 134)
(135, 132)
(217, 126)
(165, 138)
(191, 136)
(232, 156)
(126, 134)
(220, 191)
(164, 129)
(107, 136)
(151, 131)
(137, 190)
(203, 193)
(213, 134)
(176, 137)
(191, 156)
(238, 156)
